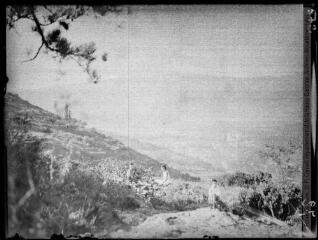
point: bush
(285, 161)
(27, 170)
(237, 209)
(78, 204)
(188, 177)
(295, 220)
(280, 201)
(139, 174)
(182, 196)
(119, 195)
(82, 203)
(245, 179)
(258, 191)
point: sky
(189, 78)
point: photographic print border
(309, 175)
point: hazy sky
(189, 75)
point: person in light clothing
(165, 180)
(130, 172)
(214, 193)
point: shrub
(295, 220)
(119, 195)
(82, 203)
(27, 170)
(182, 196)
(258, 191)
(237, 209)
(245, 179)
(230, 197)
(188, 177)
(285, 161)
(280, 201)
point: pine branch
(37, 53)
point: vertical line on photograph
(314, 140)
(306, 179)
(314, 120)
(128, 116)
(314, 108)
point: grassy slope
(90, 147)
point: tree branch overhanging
(36, 54)
(53, 41)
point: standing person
(214, 193)
(130, 172)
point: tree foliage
(281, 200)
(26, 171)
(49, 23)
(244, 179)
(278, 200)
(286, 160)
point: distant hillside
(164, 155)
(69, 179)
(72, 144)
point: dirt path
(201, 222)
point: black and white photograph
(156, 121)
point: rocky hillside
(71, 144)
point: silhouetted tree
(59, 17)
